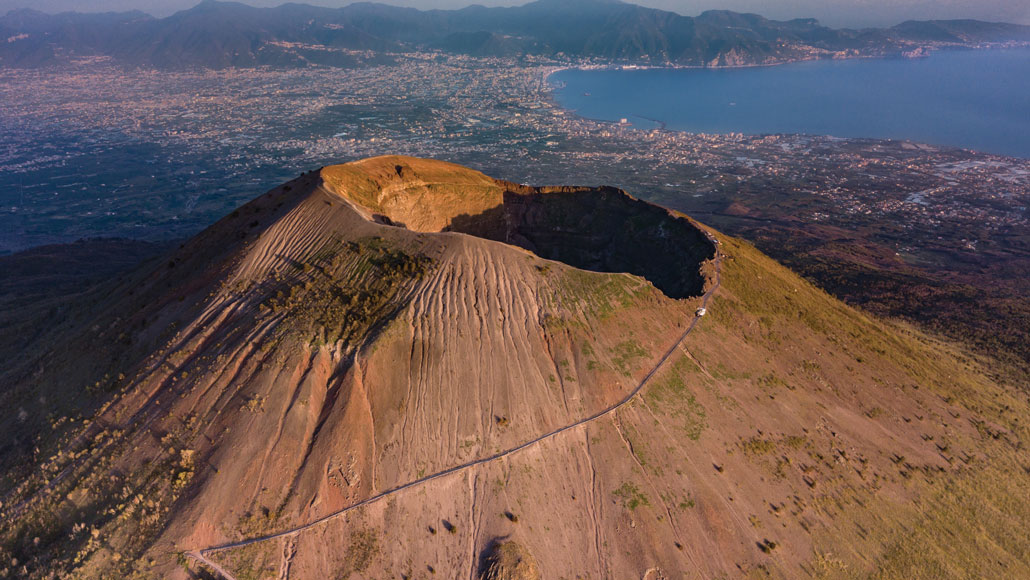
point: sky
(836, 13)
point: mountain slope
(392, 327)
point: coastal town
(86, 143)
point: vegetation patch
(362, 550)
(757, 446)
(625, 354)
(973, 520)
(95, 521)
(631, 496)
(347, 290)
(251, 562)
(671, 395)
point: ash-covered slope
(376, 371)
(298, 356)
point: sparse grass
(771, 379)
(362, 550)
(252, 562)
(967, 522)
(259, 520)
(631, 496)
(93, 510)
(756, 446)
(972, 521)
(625, 354)
(255, 404)
(603, 294)
(346, 292)
(671, 395)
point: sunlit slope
(857, 446)
(420, 194)
(791, 437)
(297, 357)
(322, 346)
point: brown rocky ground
(344, 335)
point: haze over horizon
(836, 13)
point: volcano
(403, 368)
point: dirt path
(202, 555)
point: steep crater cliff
(602, 229)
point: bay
(971, 99)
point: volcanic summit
(403, 368)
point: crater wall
(602, 229)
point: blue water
(972, 99)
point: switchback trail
(202, 555)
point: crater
(602, 229)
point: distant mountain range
(217, 34)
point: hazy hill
(37, 39)
(218, 34)
(404, 368)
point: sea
(973, 99)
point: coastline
(920, 52)
(1007, 150)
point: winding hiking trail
(201, 556)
